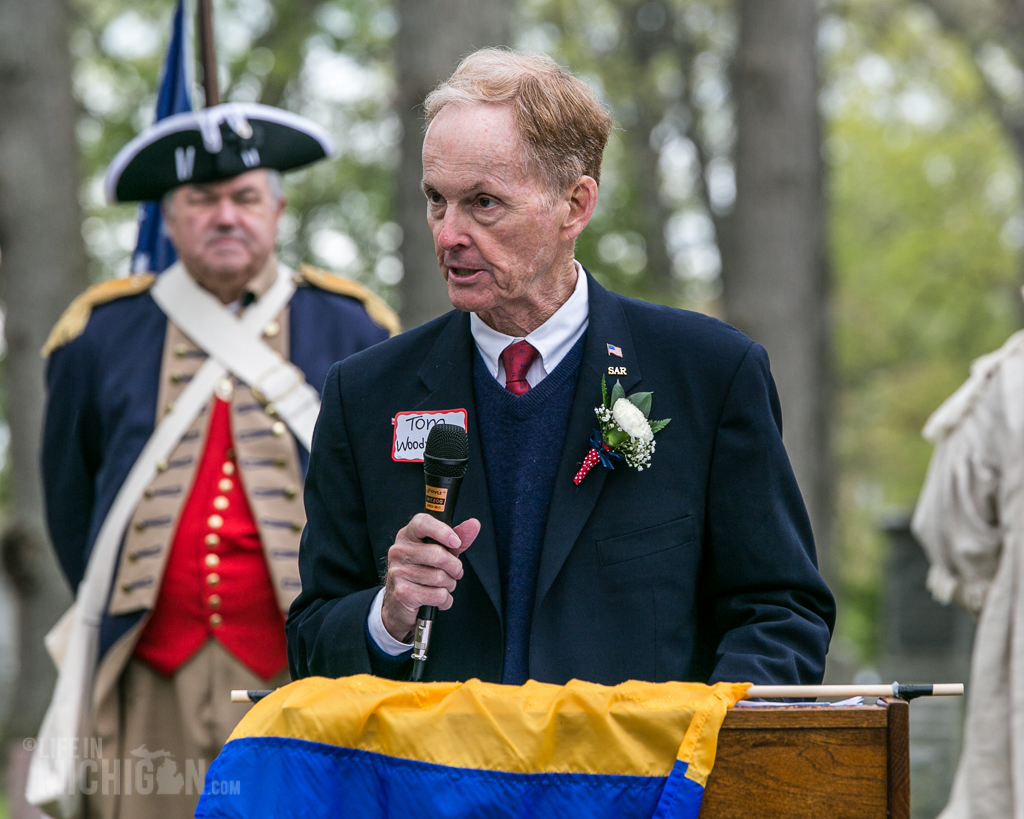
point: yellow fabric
(375, 306)
(635, 729)
(700, 744)
(72, 322)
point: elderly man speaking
(595, 541)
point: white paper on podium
(766, 704)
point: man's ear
(582, 199)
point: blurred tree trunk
(774, 267)
(433, 36)
(42, 268)
(647, 31)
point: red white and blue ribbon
(601, 453)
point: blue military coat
(102, 406)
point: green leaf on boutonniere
(604, 393)
(642, 401)
(617, 393)
(615, 438)
(658, 426)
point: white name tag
(412, 429)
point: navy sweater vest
(522, 438)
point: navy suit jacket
(102, 391)
(700, 568)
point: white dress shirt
(553, 340)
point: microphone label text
(437, 497)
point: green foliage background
(926, 229)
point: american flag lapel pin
(615, 351)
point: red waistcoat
(216, 583)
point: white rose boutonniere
(626, 432)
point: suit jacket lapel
(447, 372)
(571, 505)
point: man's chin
(469, 298)
(216, 274)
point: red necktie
(517, 359)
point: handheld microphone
(445, 458)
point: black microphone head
(447, 451)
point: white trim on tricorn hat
(210, 145)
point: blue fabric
(681, 797)
(522, 438)
(101, 409)
(154, 251)
(283, 778)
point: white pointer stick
(903, 692)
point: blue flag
(154, 252)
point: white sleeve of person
(380, 635)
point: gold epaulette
(72, 323)
(375, 306)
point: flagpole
(207, 51)
(903, 692)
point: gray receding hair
(562, 125)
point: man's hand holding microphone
(423, 562)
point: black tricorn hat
(212, 145)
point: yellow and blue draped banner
(367, 747)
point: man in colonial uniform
(179, 419)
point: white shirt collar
(553, 339)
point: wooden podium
(812, 761)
